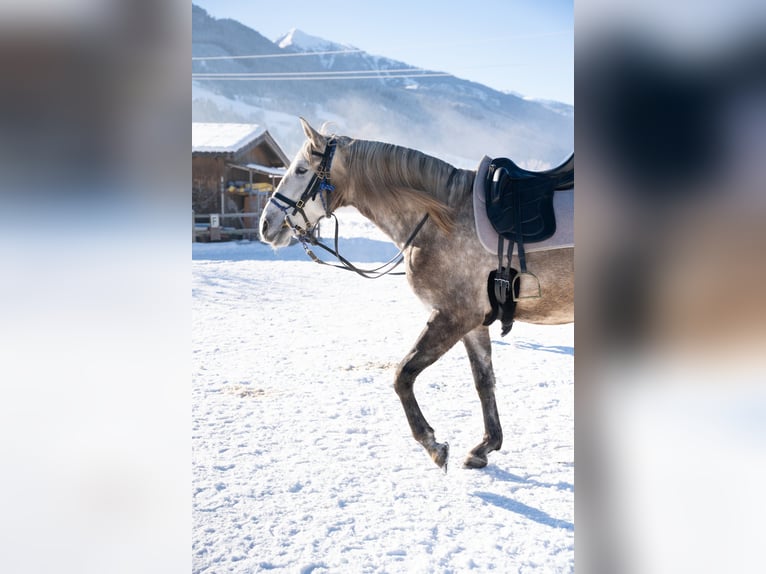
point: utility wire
(319, 73)
(376, 76)
(486, 40)
(288, 55)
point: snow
(223, 137)
(302, 457)
(275, 171)
(299, 39)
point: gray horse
(446, 265)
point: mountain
(370, 97)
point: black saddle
(520, 202)
(520, 208)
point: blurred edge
(670, 314)
(94, 170)
(94, 126)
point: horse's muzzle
(274, 231)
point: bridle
(320, 185)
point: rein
(384, 269)
(320, 184)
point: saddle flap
(520, 204)
(520, 201)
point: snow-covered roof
(275, 171)
(223, 138)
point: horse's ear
(317, 139)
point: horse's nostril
(264, 227)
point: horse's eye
(300, 170)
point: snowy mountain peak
(298, 39)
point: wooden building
(235, 168)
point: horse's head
(304, 195)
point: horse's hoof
(440, 455)
(474, 461)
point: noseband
(319, 184)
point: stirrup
(516, 286)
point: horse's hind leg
(440, 334)
(479, 348)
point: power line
(356, 50)
(319, 73)
(288, 55)
(393, 73)
(274, 78)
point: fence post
(223, 199)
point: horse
(425, 206)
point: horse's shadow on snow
(527, 346)
(558, 349)
(520, 508)
(526, 511)
(505, 476)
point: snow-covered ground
(302, 457)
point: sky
(525, 47)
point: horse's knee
(403, 385)
(405, 377)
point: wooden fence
(211, 226)
(235, 225)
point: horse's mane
(383, 173)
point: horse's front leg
(440, 334)
(479, 348)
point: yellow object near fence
(242, 188)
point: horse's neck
(397, 226)
(387, 215)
